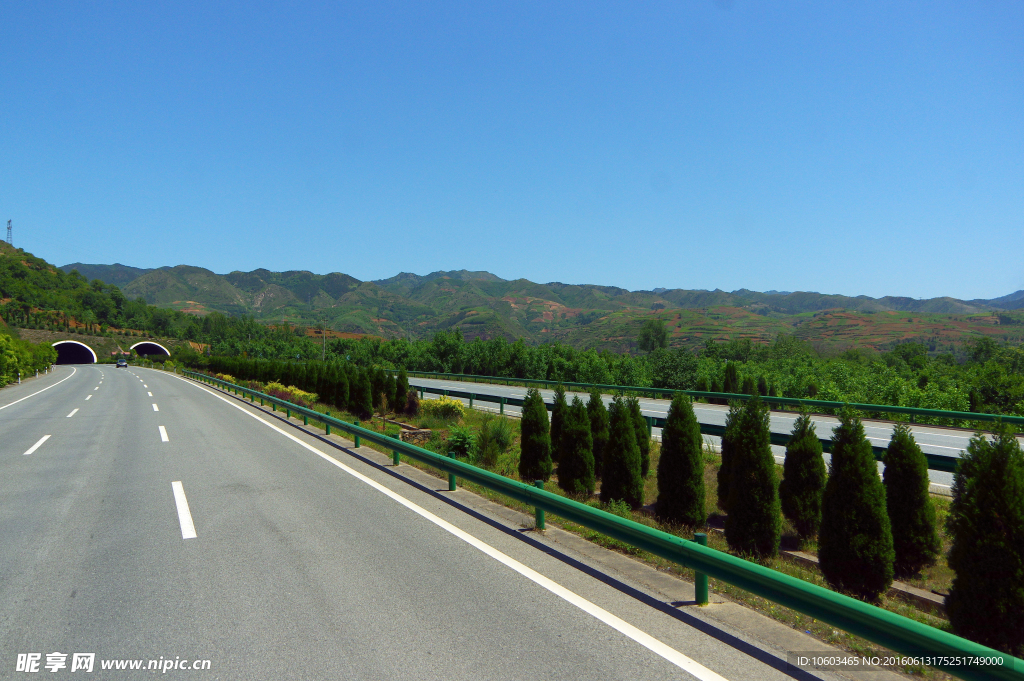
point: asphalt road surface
(146, 517)
(932, 439)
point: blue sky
(855, 148)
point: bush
(444, 407)
(495, 438)
(462, 442)
(622, 479)
(803, 480)
(731, 384)
(854, 543)
(910, 509)
(598, 415)
(727, 448)
(534, 439)
(401, 392)
(681, 466)
(576, 451)
(754, 523)
(986, 522)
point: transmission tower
(9, 239)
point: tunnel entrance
(150, 348)
(73, 352)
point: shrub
(681, 466)
(495, 438)
(559, 407)
(910, 509)
(643, 436)
(462, 442)
(291, 394)
(754, 523)
(803, 480)
(986, 522)
(576, 451)
(598, 415)
(444, 407)
(622, 458)
(854, 543)
(727, 447)
(534, 439)
(731, 384)
(749, 386)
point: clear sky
(855, 148)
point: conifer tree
(340, 399)
(622, 479)
(854, 542)
(754, 523)
(643, 436)
(727, 447)
(361, 402)
(598, 428)
(401, 391)
(911, 513)
(986, 522)
(535, 439)
(731, 384)
(558, 409)
(390, 387)
(804, 477)
(762, 387)
(576, 451)
(681, 466)
(749, 386)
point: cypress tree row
(754, 523)
(361, 402)
(804, 477)
(749, 386)
(643, 436)
(986, 521)
(728, 446)
(911, 513)
(598, 428)
(681, 466)
(340, 397)
(855, 551)
(558, 409)
(390, 386)
(535, 439)
(622, 479)
(575, 451)
(401, 391)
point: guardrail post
(538, 513)
(357, 436)
(700, 580)
(396, 458)
(305, 420)
(650, 426)
(421, 392)
(471, 396)
(274, 405)
(451, 476)
(288, 412)
(261, 401)
(501, 407)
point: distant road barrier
(667, 393)
(885, 628)
(936, 462)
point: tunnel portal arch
(150, 348)
(74, 352)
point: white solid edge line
(685, 663)
(73, 412)
(74, 370)
(188, 530)
(163, 434)
(155, 408)
(37, 445)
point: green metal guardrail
(936, 462)
(667, 393)
(885, 628)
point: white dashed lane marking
(73, 412)
(37, 445)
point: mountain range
(485, 305)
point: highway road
(937, 440)
(146, 517)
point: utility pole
(9, 239)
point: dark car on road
(122, 363)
